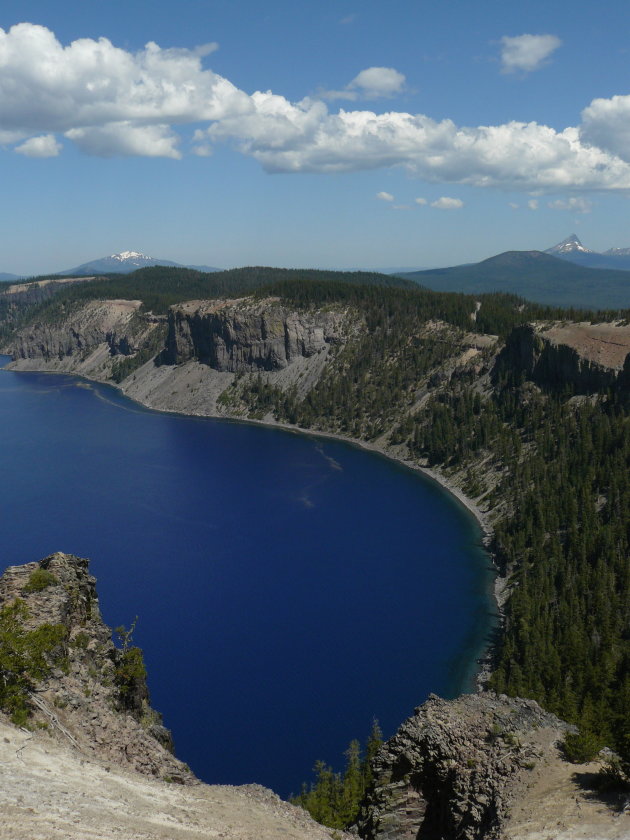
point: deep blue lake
(289, 588)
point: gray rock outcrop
(453, 770)
(93, 702)
(573, 356)
(242, 336)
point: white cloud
(385, 196)
(305, 137)
(378, 81)
(46, 87)
(124, 138)
(445, 203)
(513, 205)
(44, 146)
(372, 83)
(527, 52)
(606, 124)
(421, 201)
(533, 204)
(575, 204)
(345, 21)
(113, 102)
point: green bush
(580, 747)
(130, 675)
(25, 657)
(40, 579)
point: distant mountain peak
(569, 245)
(130, 255)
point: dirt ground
(606, 344)
(48, 792)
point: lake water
(289, 588)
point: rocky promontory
(589, 358)
(455, 768)
(94, 697)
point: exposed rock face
(588, 358)
(453, 770)
(84, 704)
(244, 335)
(95, 324)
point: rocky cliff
(95, 697)
(112, 326)
(589, 358)
(482, 767)
(244, 336)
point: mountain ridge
(126, 262)
(572, 250)
(536, 276)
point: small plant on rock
(40, 579)
(26, 656)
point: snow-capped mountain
(126, 262)
(571, 249)
(569, 245)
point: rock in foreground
(482, 767)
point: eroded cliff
(482, 767)
(95, 696)
(588, 358)
(244, 336)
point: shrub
(40, 579)
(580, 747)
(25, 657)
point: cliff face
(97, 700)
(79, 333)
(248, 336)
(455, 769)
(587, 358)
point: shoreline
(499, 586)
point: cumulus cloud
(378, 81)
(445, 203)
(91, 84)
(305, 137)
(533, 204)
(385, 196)
(124, 138)
(606, 124)
(575, 204)
(44, 146)
(421, 201)
(110, 101)
(372, 83)
(526, 52)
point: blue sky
(359, 134)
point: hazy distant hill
(8, 278)
(536, 276)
